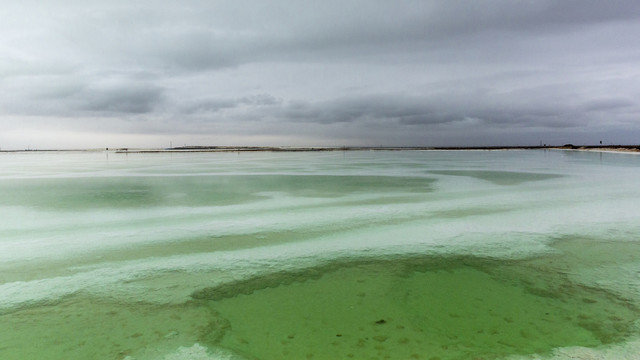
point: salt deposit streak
(198, 352)
(156, 228)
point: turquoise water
(323, 255)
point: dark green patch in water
(137, 192)
(417, 307)
(499, 177)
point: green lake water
(403, 255)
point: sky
(92, 74)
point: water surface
(365, 255)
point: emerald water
(320, 255)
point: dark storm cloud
(385, 31)
(130, 99)
(522, 16)
(209, 35)
(426, 112)
(75, 97)
(216, 104)
(388, 107)
(389, 110)
(378, 68)
(607, 104)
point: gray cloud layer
(363, 72)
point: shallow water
(399, 255)
(416, 308)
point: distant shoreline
(194, 149)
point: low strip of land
(617, 148)
(187, 149)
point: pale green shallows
(332, 255)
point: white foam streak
(199, 352)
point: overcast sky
(421, 73)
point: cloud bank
(427, 73)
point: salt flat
(361, 254)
